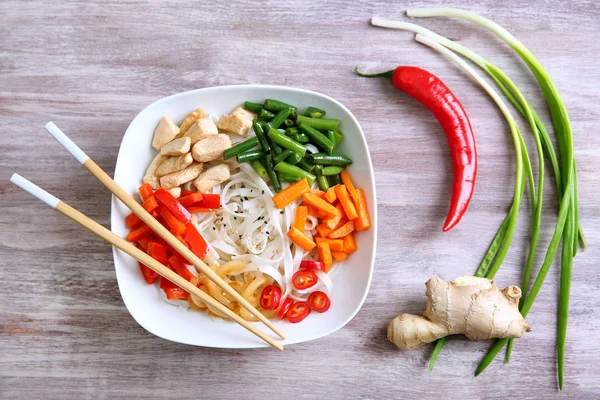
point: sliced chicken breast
(174, 164)
(165, 131)
(175, 179)
(211, 177)
(211, 147)
(150, 176)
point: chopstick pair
(156, 226)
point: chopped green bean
(288, 178)
(282, 156)
(240, 148)
(320, 139)
(300, 138)
(314, 112)
(294, 158)
(260, 135)
(289, 123)
(334, 180)
(265, 115)
(271, 173)
(322, 182)
(276, 105)
(292, 131)
(332, 170)
(305, 165)
(286, 142)
(332, 138)
(318, 171)
(254, 107)
(321, 124)
(259, 168)
(293, 170)
(338, 137)
(250, 155)
(327, 159)
(279, 118)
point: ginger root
(473, 306)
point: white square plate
(196, 328)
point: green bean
(329, 159)
(318, 171)
(282, 156)
(305, 165)
(286, 142)
(334, 180)
(332, 170)
(289, 123)
(265, 115)
(276, 105)
(292, 131)
(254, 107)
(294, 158)
(331, 136)
(300, 138)
(314, 112)
(288, 178)
(260, 135)
(275, 148)
(279, 118)
(250, 155)
(293, 170)
(293, 114)
(320, 139)
(339, 136)
(271, 173)
(322, 182)
(321, 124)
(240, 148)
(259, 168)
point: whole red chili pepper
(430, 91)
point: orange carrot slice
(291, 193)
(301, 239)
(332, 222)
(313, 212)
(363, 222)
(300, 221)
(349, 186)
(350, 244)
(320, 204)
(336, 244)
(345, 201)
(319, 193)
(330, 195)
(344, 230)
(325, 255)
(339, 256)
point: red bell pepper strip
(143, 243)
(430, 91)
(145, 191)
(180, 268)
(195, 241)
(158, 252)
(150, 204)
(194, 209)
(190, 199)
(173, 205)
(209, 201)
(149, 275)
(138, 233)
(133, 221)
(176, 293)
(186, 193)
(177, 227)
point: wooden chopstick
(156, 226)
(136, 253)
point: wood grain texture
(91, 66)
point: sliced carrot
(324, 230)
(190, 199)
(325, 255)
(300, 220)
(321, 239)
(349, 186)
(150, 204)
(313, 212)
(339, 256)
(336, 244)
(344, 230)
(363, 222)
(291, 193)
(345, 201)
(319, 193)
(319, 203)
(330, 195)
(133, 221)
(301, 239)
(350, 244)
(146, 191)
(332, 222)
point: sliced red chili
(311, 264)
(298, 311)
(304, 279)
(173, 205)
(319, 301)
(270, 297)
(285, 306)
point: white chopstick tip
(67, 143)
(34, 190)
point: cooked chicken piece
(177, 147)
(150, 176)
(235, 124)
(176, 191)
(211, 177)
(211, 148)
(165, 131)
(200, 129)
(190, 119)
(180, 177)
(243, 113)
(174, 164)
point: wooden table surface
(91, 66)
